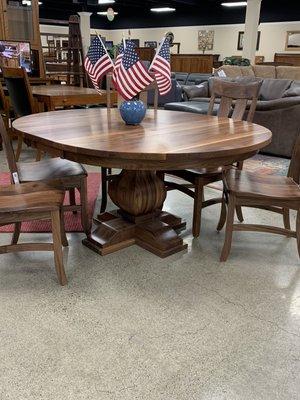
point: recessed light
(235, 4)
(162, 9)
(105, 13)
(28, 3)
(106, 1)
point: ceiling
(136, 13)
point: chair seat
(255, 185)
(49, 169)
(30, 197)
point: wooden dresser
(203, 63)
(288, 58)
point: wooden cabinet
(203, 63)
(21, 23)
(146, 53)
(286, 58)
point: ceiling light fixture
(106, 1)
(235, 4)
(105, 13)
(162, 9)
(28, 3)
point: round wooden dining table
(165, 140)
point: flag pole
(99, 37)
(157, 51)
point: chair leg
(198, 199)
(64, 239)
(222, 215)
(286, 218)
(38, 156)
(103, 189)
(72, 198)
(19, 147)
(85, 220)
(298, 231)
(16, 234)
(58, 255)
(239, 213)
(229, 229)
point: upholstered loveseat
(278, 109)
(261, 71)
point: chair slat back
(10, 155)
(19, 89)
(294, 169)
(235, 97)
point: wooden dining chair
(3, 110)
(268, 192)
(63, 174)
(20, 96)
(31, 202)
(237, 101)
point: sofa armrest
(276, 104)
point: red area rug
(72, 221)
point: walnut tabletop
(54, 96)
(164, 140)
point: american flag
(161, 68)
(97, 62)
(118, 64)
(131, 76)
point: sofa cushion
(197, 78)
(191, 106)
(181, 77)
(273, 88)
(264, 71)
(192, 91)
(293, 91)
(231, 71)
(286, 72)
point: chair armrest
(276, 104)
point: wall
(273, 37)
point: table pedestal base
(156, 233)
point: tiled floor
(133, 326)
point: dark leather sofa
(278, 109)
(179, 79)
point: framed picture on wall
(292, 40)
(109, 44)
(206, 40)
(136, 42)
(240, 44)
(152, 44)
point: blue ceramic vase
(133, 111)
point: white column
(85, 28)
(251, 28)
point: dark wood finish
(290, 59)
(16, 75)
(198, 179)
(4, 111)
(75, 53)
(273, 193)
(203, 63)
(33, 201)
(165, 139)
(145, 53)
(56, 96)
(63, 174)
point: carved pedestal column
(140, 196)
